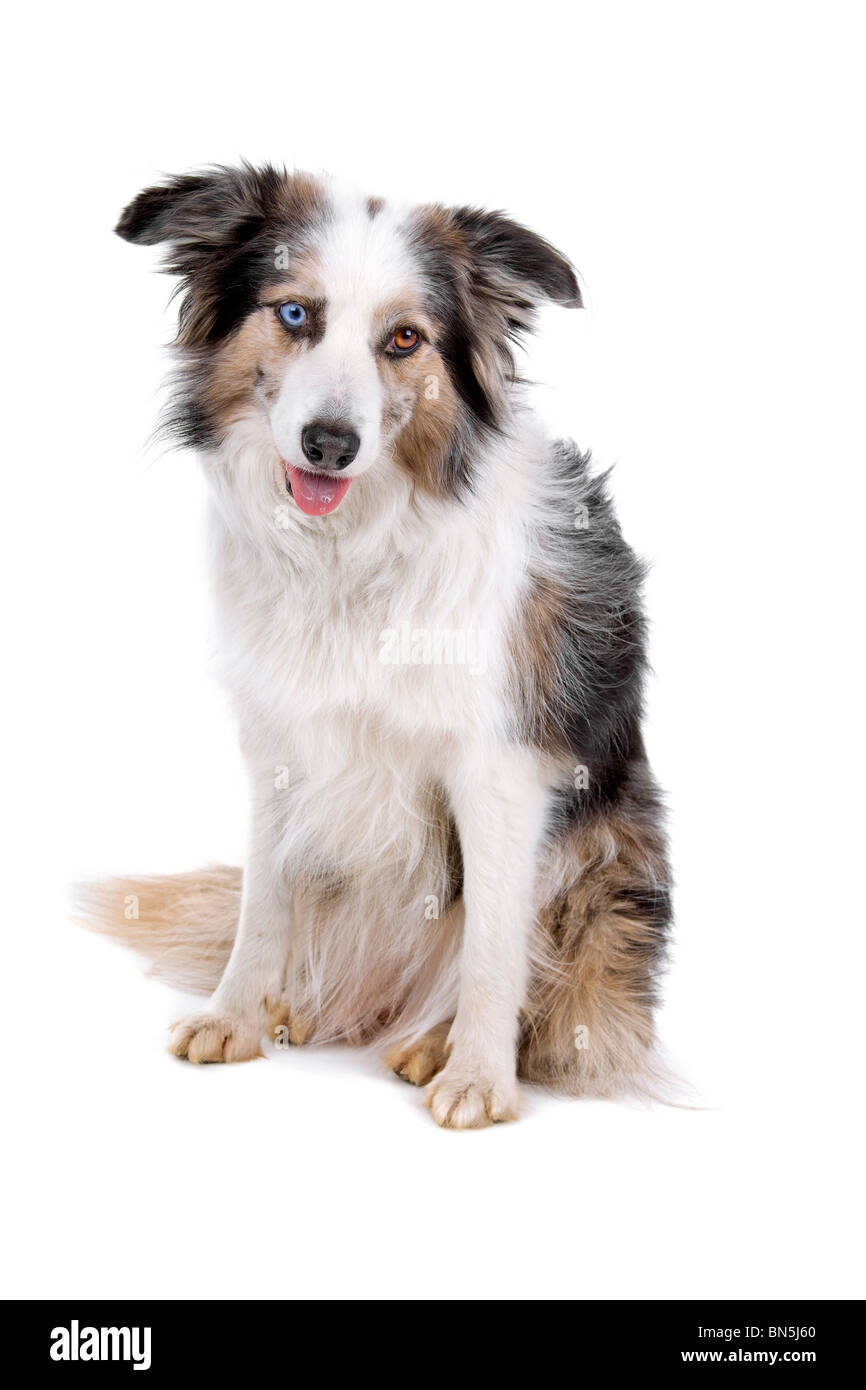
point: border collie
(430, 628)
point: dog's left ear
(488, 276)
(514, 263)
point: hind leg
(588, 1023)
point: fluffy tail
(184, 924)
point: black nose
(328, 448)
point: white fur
(349, 756)
(362, 262)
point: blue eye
(292, 314)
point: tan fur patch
(303, 201)
(251, 360)
(534, 644)
(419, 1062)
(426, 439)
(250, 363)
(420, 401)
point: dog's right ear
(209, 222)
(216, 208)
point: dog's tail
(184, 924)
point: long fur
(456, 847)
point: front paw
(217, 1037)
(470, 1097)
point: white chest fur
(363, 652)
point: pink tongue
(315, 494)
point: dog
(431, 632)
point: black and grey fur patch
(579, 644)
(485, 276)
(225, 230)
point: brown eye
(404, 340)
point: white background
(702, 165)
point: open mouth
(315, 493)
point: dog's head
(352, 334)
